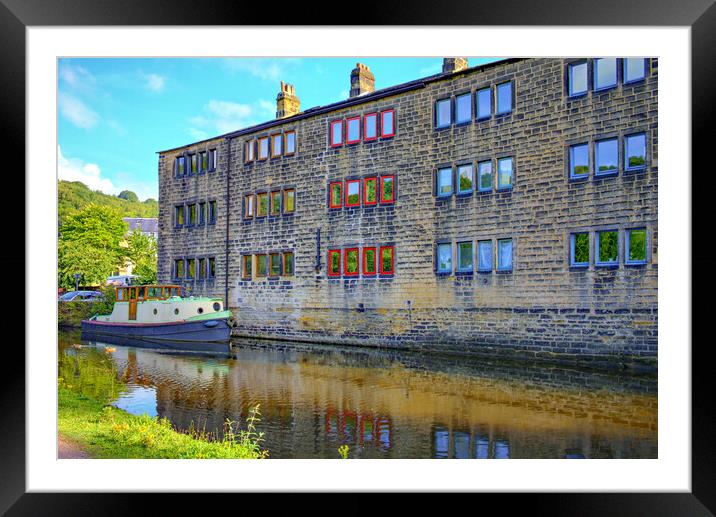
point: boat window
(141, 293)
(121, 295)
(175, 291)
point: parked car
(121, 279)
(82, 296)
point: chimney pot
(287, 104)
(454, 64)
(362, 80)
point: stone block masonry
(534, 301)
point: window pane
(465, 178)
(204, 161)
(261, 266)
(443, 110)
(504, 172)
(276, 145)
(608, 247)
(504, 254)
(579, 160)
(444, 257)
(246, 270)
(352, 192)
(387, 123)
(288, 263)
(336, 133)
(334, 262)
(634, 69)
(371, 195)
(371, 126)
(444, 182)
(463, 107)
(262, 204)
(485, 171)
(635, 151)
(484, 103)
(190, 268)
(263, 147)
(637, 245)
(353, 130)
(352, 261)
(289, 200)
(193, 164)
(249, 206)
(386, 257)
(179, 214)
(275, 203)
(290, 143)
(336, 194)
(484, 249)
(605, 72)
(504, 97)
(275, 261)
(580, 248)
(180, 166)
(212, 267)
(577, 78)
(387, 192)
(464, 256)
(192, 214)
(369, 265)
(607, 156)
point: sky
(115, 114)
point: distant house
(147, 225)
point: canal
(381, 404)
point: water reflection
(393, 405)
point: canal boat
(157, 316)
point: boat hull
(208, 335)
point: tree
(128, 195)
(142, 253)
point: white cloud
(225, 116)
(76, 111)
(430, 70)
(155, 82)
(264, 68)
(77, 78)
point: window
(579, 161)
(465, 178)
(443, 113)
(607, 156)
(276, 141)
(504, 255)
(577, 78)
(192, 214)
(212, 268)
(276, 202)
(203, 161)
(202, 213)
(387, 123)
(635, 246)
(387, 189)
(353, 193)
(579, 249)
(463, 108)
(504, 98)
(190, 268)
(484, 103)
(444, 182)
(288, 263)
(274, 264)
(336, 196)
(249, 206)
(386, 260)
(464, 256)
(605, 73)
(290, 142)
(484, 255)
(351, 262)
(370, 191)
(336, 133)
(607, 248)
(289, 201)
(212, 212)
(213, 160)
(370, 127)
(263, 148)
(484, 171)
(180, 166)
(353, 130)
(443, 258)
(248, 151)
(246, 264)
(634, 69)
(262, 204)
(369, 261)
(504, 173)
(635, 152)
(179, 268)
(192, 162)
(179, 215)
(261, 265)
(334, 262)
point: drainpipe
(228, 213)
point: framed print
(347, 384)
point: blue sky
(115, 114)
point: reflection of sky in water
(442, 443)
(462, 445)
(138, 400)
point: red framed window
(353, 130)
(351, 262)
(370, 191)
(369, 261)
(335, 195)
(370, 127)
(387, 123)
(386, 260)
(353, 193)
(387, 189)
(334, 262)
(336, 136)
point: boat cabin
(141, 293)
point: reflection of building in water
(364, 429)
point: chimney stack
(454, 64)
(362, 80)
(287, 104)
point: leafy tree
(73, 196)
(129, 196)
(142, 253)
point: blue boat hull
(200, 336)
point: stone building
(507, 209)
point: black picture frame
(699, 15)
